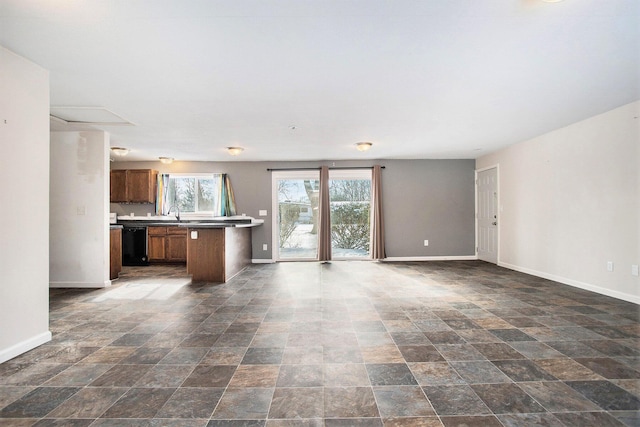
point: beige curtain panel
(377, 234)
(324, 220)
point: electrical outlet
(81, 210)
(634, 270)
(426, 243)
(264, 247)
(262, 212)
(609, 265)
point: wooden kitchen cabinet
(141, 185)
(118, 186)
(167, 244)
(115, 253)
(156, 243)
(133, 186)
(176, 244)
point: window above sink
(204, 195)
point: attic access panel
(88, 116)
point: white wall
(570, 202)
(24, 216)
(79, 235)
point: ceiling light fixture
(166, 160)
(552, 1)
(363, 146)
(120, 151)
(234, 151)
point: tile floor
(339, 344)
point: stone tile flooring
(339, 344)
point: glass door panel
(296, 225)
(350, 198)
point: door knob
(494, 223)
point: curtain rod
(315, 169)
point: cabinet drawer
(177, 231)
(157, 231)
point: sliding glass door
(296, 195)
(350, 199)
(296, 199)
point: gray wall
(423, 199)
(429, 200)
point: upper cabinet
(133, 186)
(118, 186)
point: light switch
(194, 235)
(262, 212)
(81, 210)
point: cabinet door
(118, 185)
(115, 253)
(176, 248)
(141, 185)
(156, 247)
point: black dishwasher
(134, 245)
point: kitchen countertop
(199, 222)
(218, 225)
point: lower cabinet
(115, 253)
(167, 244)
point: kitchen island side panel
(215, 254)
(237, 250)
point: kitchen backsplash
(136, 209)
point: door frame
(498, 208)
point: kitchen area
(212, 248)
(89, 246)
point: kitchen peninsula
(217, 249)
(217, 252)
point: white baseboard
(89, 285)
(392, 259)
(431, 258)
(575, 283)
(24, 346)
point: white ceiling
(418, 78)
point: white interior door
(487, 212)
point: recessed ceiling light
(363, 146)
(234, 151)
(166, 160)
(120, 151)
(552, 1)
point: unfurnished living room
(320, 213)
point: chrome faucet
(176, 208)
